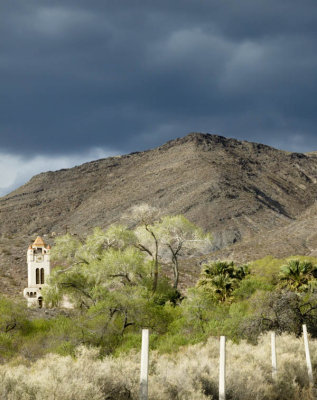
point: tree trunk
(156, 264)
(156, 272)
(176, 273)
(175, 263)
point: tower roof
(39, 242)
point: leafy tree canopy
(298, 275)
(221, 278)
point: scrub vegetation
(191, 373)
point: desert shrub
(12, 315)
(281, 311)
(65, 378)
(250, 285)
(13, 325)
(189, 374)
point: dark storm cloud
(129, 75)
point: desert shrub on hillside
(190, 374)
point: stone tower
(39, 268)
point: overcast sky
(85, 79)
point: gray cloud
(15, 169)
(128, 75)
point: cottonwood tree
(116, 237)
(167, 238)
(180, 237)
(145, 217)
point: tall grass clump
(189, 374)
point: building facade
(39, 268)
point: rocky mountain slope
(256, 200)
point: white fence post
(144, 365)
(273, 348)
(308, 361)
(222, 369)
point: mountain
(255, 199)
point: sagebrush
(189, 374)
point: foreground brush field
(188, 374)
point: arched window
(37, 272)
(42, 275)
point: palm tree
(298, 275)
(221, 278)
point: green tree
(197, 308)
(108, 279)
(221, 278)
(145, 216)
(298, 275)
(180, 237)
(166, 238)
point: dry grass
(190, 374)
